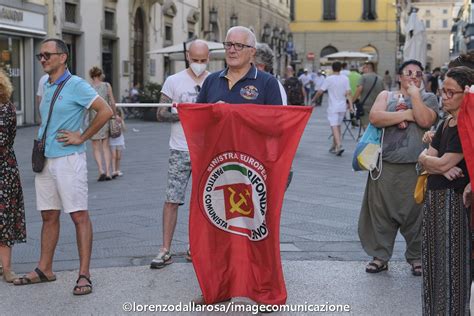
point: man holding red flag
(241, 157)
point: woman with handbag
(446, 232)
(100, 141)
(388, 204)
(12, 210)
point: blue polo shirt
(256, 87)
(69, 109)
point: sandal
(79, 289)
(377, 267)
(102, 177)
(416, 268)
(41, 278)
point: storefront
(22, 29)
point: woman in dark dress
(12, 211)
(446, 232)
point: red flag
(466, 133)
(240, 157)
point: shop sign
(10, 14)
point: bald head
(198, 45)
(198, 52)
(250, 36)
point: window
(428, 46)
(329, 10)
(428, 12)
(328, 50)
(109, 20)
(292, 10)
(445, 23)
(370, 12)
(428, 24)
(445, 11)
(168, 33)
(70, 9)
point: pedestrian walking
(100, 141)
(12, 209)
(62, 184)
(340, 100)
(117, 145)
(388, 204)
(293, 88)
(387, 81)
(182, 87)
(446, 231)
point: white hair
(251, 39)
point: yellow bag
(420, 188)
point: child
(117, 145)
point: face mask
(198, 69)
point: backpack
(293, 88)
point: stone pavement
(321, 253)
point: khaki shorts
(179, 171)
(62, 185)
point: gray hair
(264, 56)
(251, 39)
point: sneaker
(161, 260)
(332, 150)
(119, 173)
(339, 150)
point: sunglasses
(46, 55)
(449, 93)
(411, 73)
(237, 46)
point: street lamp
(267, 31)
(213, 16)
(234, 20)
(275, 37)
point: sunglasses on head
(46, 55)
(411, 73)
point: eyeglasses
(449, 93)
(411, 73)
(237, 46)
(46, 55)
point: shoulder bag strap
(370, 91)
(55, 96)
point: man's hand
(428, 137)
(69, 137)
(467, 195)
(453, 173)
(409, 115)
(413, 90)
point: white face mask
(198, 69)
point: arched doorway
(138, 47)
(328, 50)
(372, 51)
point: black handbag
(38, 158)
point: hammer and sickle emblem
(236, 205)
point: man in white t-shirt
(308, 84)
(340, 100)
(39, 93)
(182, 87)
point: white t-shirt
(41, 83)
(305, 79)
(345, 72)
(284, 97)
(337, 87)
(181, 88)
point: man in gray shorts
(182, 87)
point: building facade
(462, 31)
(23, 25)
(322, 27)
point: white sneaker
(161, 260)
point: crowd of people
(437, 233)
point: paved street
(322, 257)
